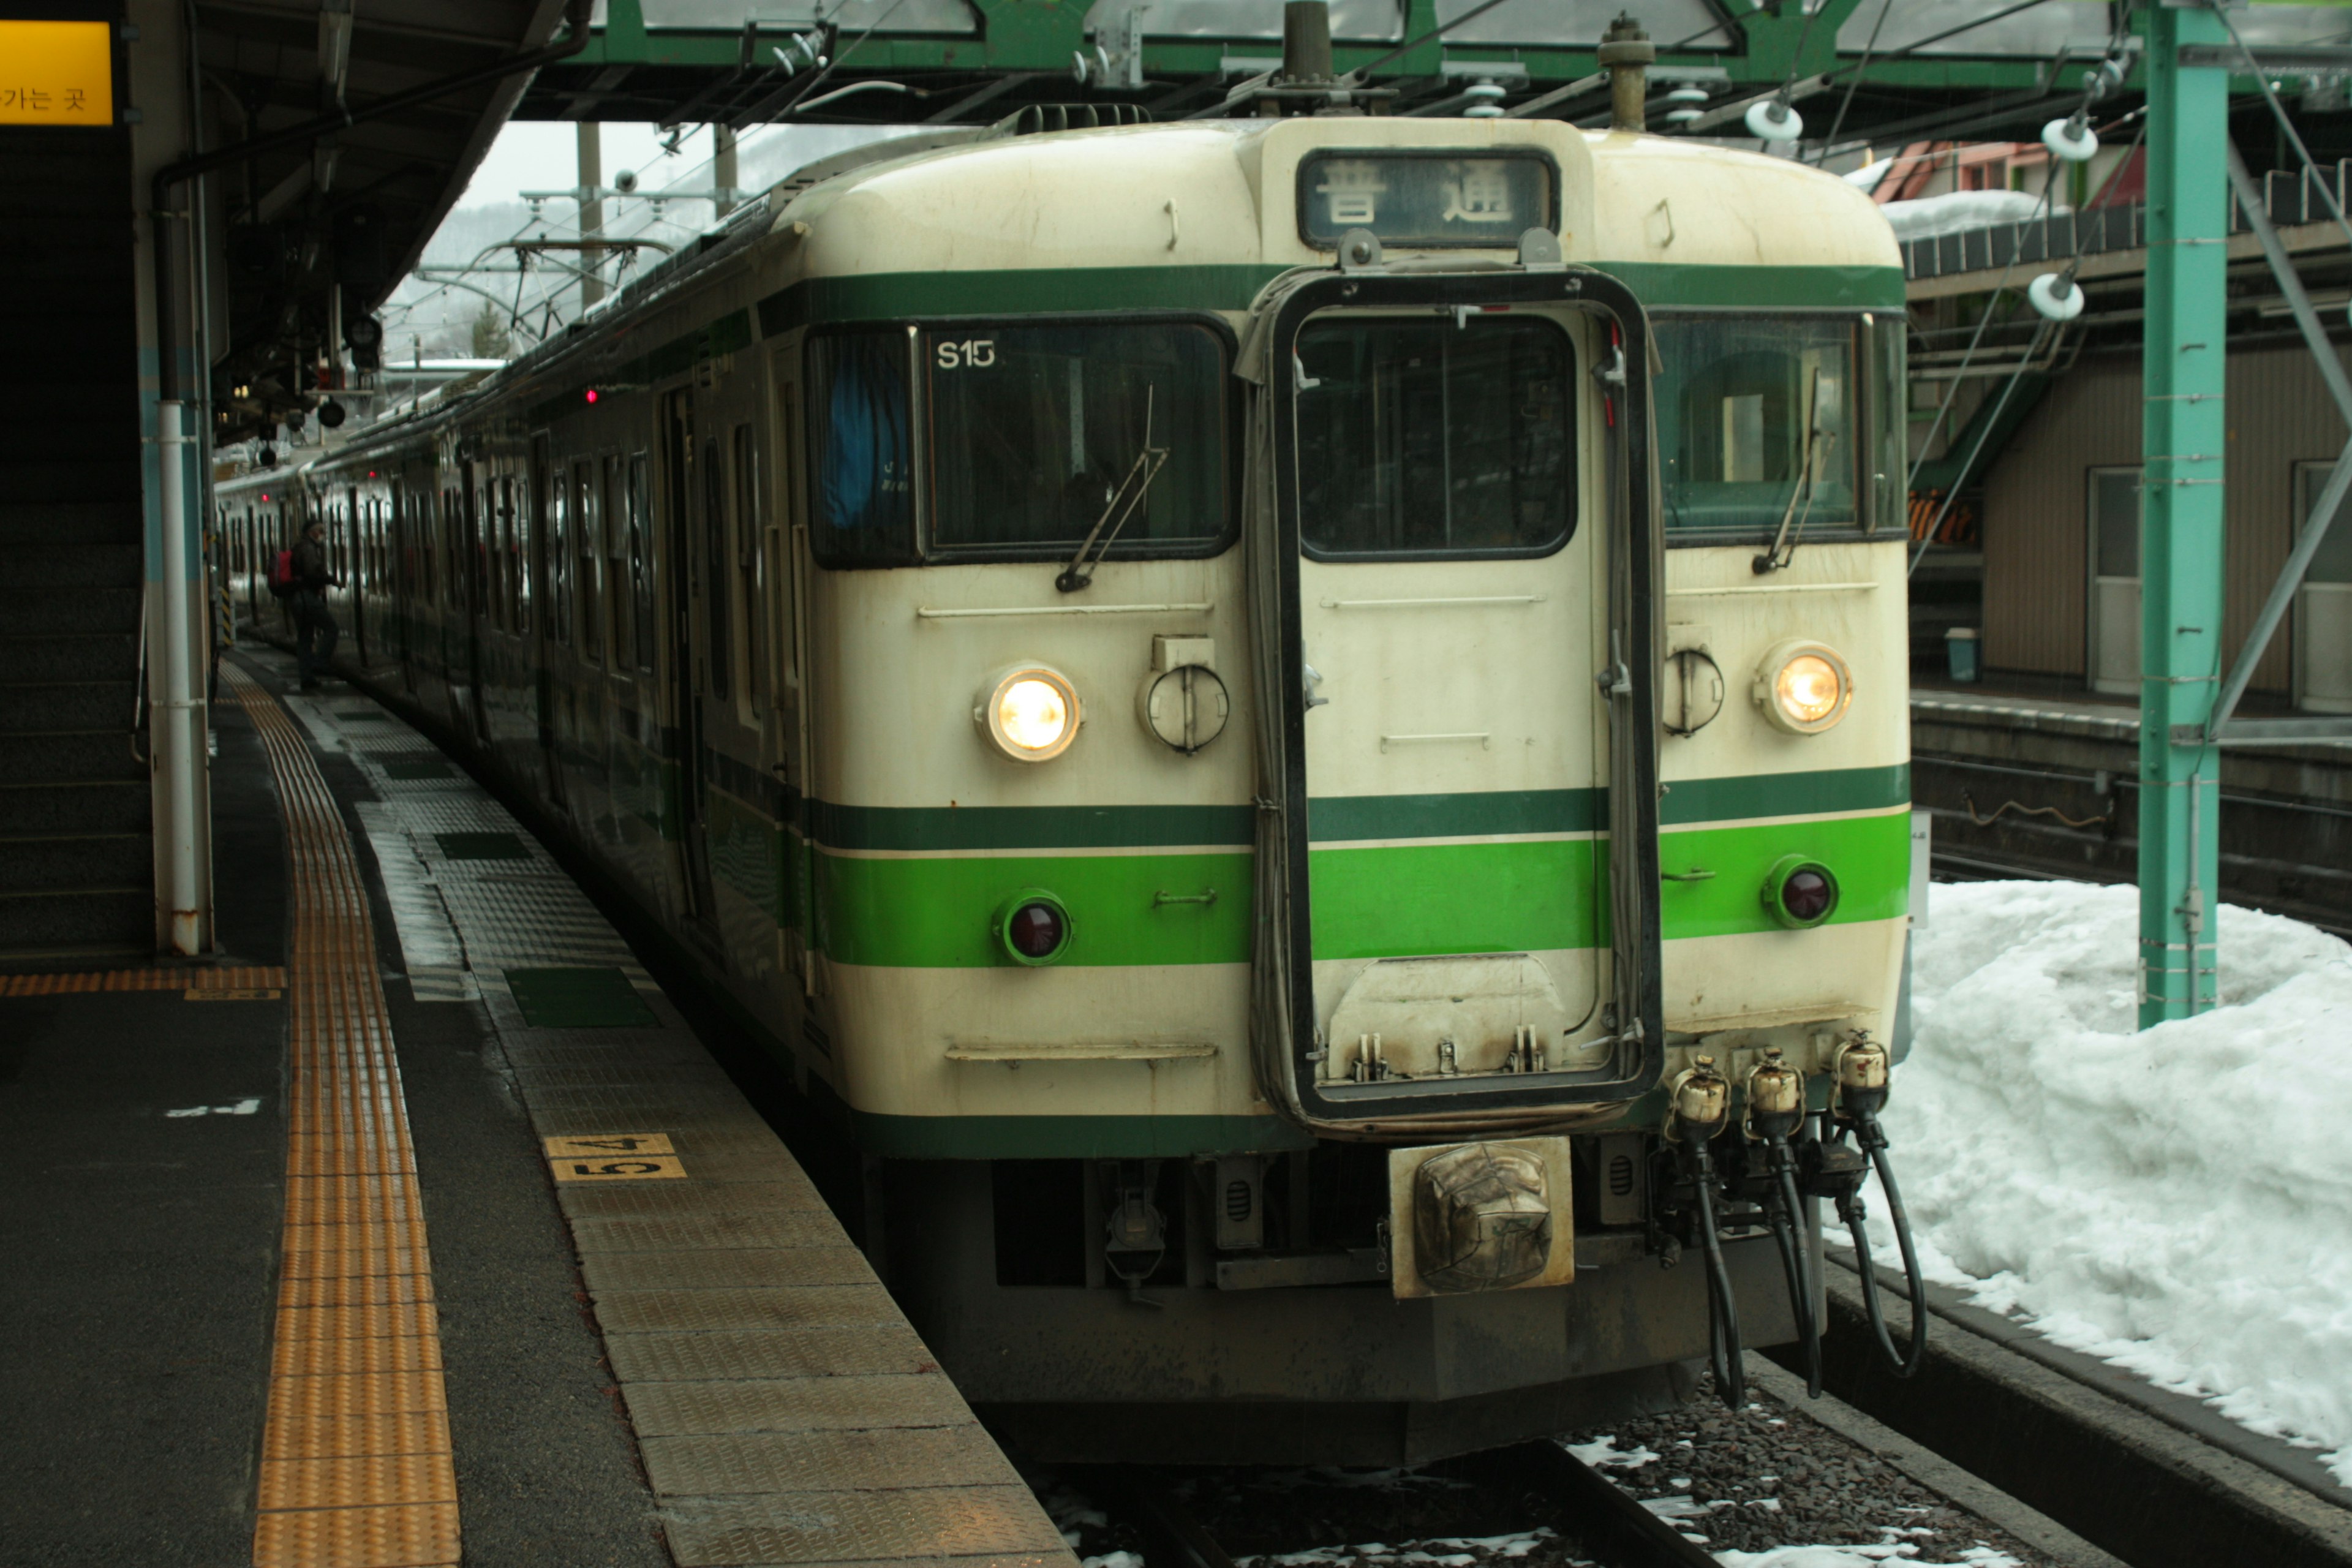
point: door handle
(1314, 679)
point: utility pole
(591, 214)
(2184, 433)
(722, 167)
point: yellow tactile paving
(311, 1438)
(355, 1460)
(353, 1290)
(350, 1480)
(370, 1393)
(249, 978)
(411, 1535)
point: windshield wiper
(1131, 491)
(1818, 443)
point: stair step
(69, 863)
(28, 612)
(115, 917)
(82, 564)
(68, 705)
(59, 756)
(98, 521)
(96, 656)
(113, 806)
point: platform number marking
(972, 354)
(647, 1168)
(614, 1157)
(610, 1143)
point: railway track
(1603, 1524)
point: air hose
(1776, 1108)
(1860, 1095)
(1701, 1108)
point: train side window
(641, 564)
(718, 580)
(517, 532)
(1425, 438)
(750, 564)
(618, 525)
(558, 500)
(862, 437)
(1750, 409)
(590, 515)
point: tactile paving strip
(356, 1471)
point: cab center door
(1451, 622)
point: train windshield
(1029, 433)
(1034, 431)
(1746, 407)
(1422, 436)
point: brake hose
(1776, 1108)
(1701, 1102)
(1862, 1091)
(1723, 1352)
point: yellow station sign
(55, 73)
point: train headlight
(1804, 688)
(1031, 712)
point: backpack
(282, 581)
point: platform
(421, 1228)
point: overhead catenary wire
(1860, 67)
(2008, 387)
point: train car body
(1237, 698)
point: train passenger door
(690, 597)
(1447, 483)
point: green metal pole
(2183, 430)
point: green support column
(2184, 429)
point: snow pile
(2176, 1202)
(1955, 212)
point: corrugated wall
(2037, 580)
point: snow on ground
(2178, 1202)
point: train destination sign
(1426, 198)
(55, 73)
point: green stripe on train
(1339, 818)
(1388, 900)
(1404, 900)
(935, 913)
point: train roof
(1214, 202)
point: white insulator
(1078, 67)
(2056, 296)
(1773, 120)
(1683, 116)
(1686, 93)
(2070, 140)
(1486, 101)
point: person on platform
(314, 624)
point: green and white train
(1245, 701)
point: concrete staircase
(76, 882)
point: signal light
(592, 394)
(1035, 927)
(1800, 893)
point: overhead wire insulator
(2056, 296)
(1773, 120)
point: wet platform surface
(438, 1236)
